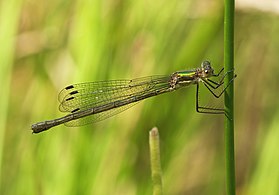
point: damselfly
(95, 101)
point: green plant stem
(9, 19)
(229, 122)
(156, 170)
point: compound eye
(206, 71)
(205, 64)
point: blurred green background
(46, 45)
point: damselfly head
(206, 69)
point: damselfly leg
(212, 86)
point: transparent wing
(98, 117)
(84, 96)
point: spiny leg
(208, 110)
(216, 75)
(210, 87)
(221, 81)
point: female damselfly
(95, 101)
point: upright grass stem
(156, 170)
(9, 18)
(229, 95)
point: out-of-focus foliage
(46, 45)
